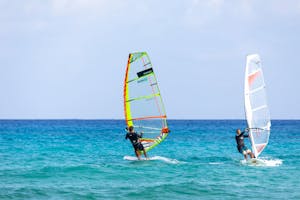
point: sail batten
(256, 107)
(143, 105)
(259, 108)
(150, 117)
(257, 89)
(144, 97)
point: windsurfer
(135, 141)
(241, 145)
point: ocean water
(84, 159)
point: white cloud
(85, 7)
(286, 8)
(199, 12)
(84, 39)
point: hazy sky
(67, 58)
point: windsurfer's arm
(246, 131)
(126, 137)
(140, 135)
(243, 134)
(246, 135)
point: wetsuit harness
(134, 139)
(240, 141)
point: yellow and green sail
(143, 105)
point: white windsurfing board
(160, 158)
(262, 162)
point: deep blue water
(83, 159)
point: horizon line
(91, 119)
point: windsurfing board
(262, 162)
(134, 158)
(158, 158)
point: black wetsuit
(240, 141)
(134, 139)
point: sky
(66, 59)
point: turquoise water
(82, 159)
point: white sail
(256, 107)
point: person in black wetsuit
(135, 141)
(241, 145)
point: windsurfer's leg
(145, 154)
(245, 154)
(249, 152)
(137, 154)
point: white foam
(167, 160)
(216, 163)
(164, 159)
(262, 162)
